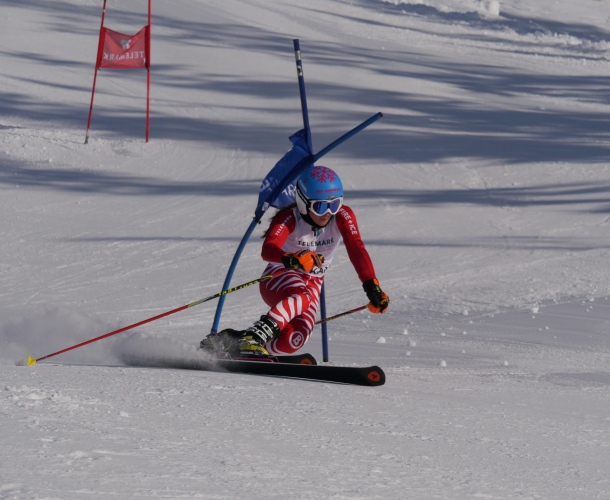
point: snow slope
(482, 196)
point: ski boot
(245, 343)
(253, 340)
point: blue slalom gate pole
(324, 326)
(294, 172)
(299, 166)
(347, 136)
(230, 272)
(297, 55)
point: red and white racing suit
(294, 295)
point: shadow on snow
(416, 128)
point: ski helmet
(319, 189)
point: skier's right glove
(379, 301)
(303, 259)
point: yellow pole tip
(31, 361)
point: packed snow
(482, 195)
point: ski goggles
(321, 207)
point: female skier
(299, 246)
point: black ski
(296, 366)
(370, 375)
(293, 359)
(297, 359)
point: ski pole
(32, 361)
(340, 315)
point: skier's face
(320, 220)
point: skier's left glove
(379, 301)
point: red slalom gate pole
(95, 74)
(31, 361)
(148, 50)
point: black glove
(379, 300)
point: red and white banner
(117, 51)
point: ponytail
(272, 218)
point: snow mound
(491, 7)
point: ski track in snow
(481, 194)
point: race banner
(118, 51)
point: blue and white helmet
(320, 190)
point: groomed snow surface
(483, 196)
